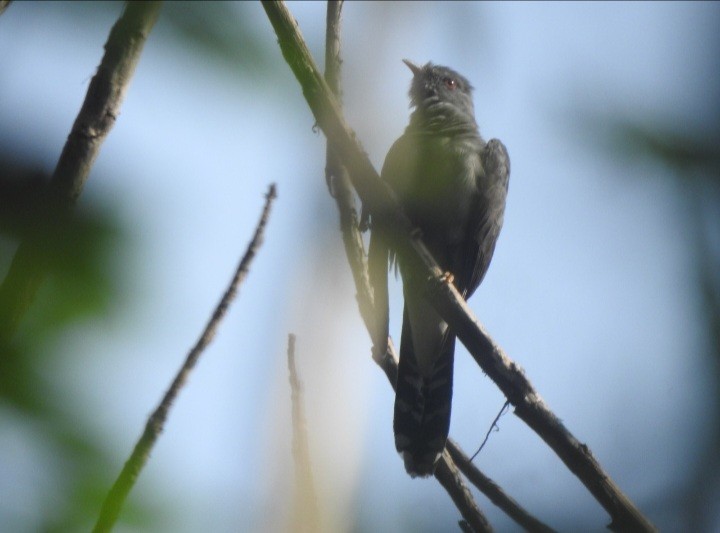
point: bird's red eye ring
(450, 83)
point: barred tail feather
(422, 406)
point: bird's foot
(364, 223)
(447, 277)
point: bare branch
(130, 472)
(449, 477)
(443, 296)
(337, 176)
(494, 492)
(306, 514)
(92, 125)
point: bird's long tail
(422, 405)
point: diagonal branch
(448, 475)
(494, 492)
(340, 186)
(92, 125)
(131, 470)
(337, 176)
(511, 380)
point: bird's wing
(487, 217)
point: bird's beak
(412, 66)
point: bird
(452, 185)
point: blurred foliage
(221, 30)
(694, 161)
(682, 153)
(223, 33)
(72, 250)
(80, 257)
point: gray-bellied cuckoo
(452, 185)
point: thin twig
(92, 125)
(493, 426)
(130, 472)
(511, 380)
(306, 514)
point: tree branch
(305, 511)
(130, 472)
(493, 491)
(337, 177)
(444, 297)
(449, 477)
(92, 125)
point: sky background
(592, 289)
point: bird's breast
(442, 188)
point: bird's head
(435, 86)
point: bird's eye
(450, 83)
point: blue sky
(591, 289)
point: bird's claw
(447, 277)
